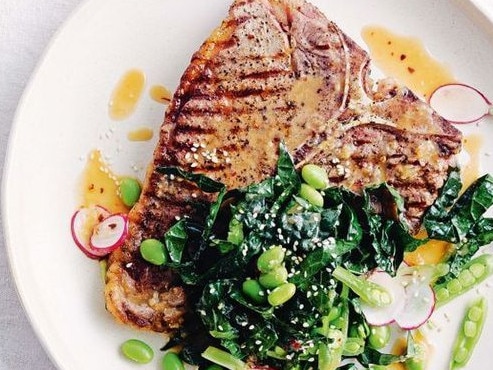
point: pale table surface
(26, 27)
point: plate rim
(475, 10)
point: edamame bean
(471, 328)
(137, 351)
(253, 290)
(315, 176)
(311, 195)
(473, 273)
(129, 191)
(271, 258)
(274, 278)
(353, 346)
(281, 294)
(152, 250)
(379, 336)
(171, 361)
(359, 330)
(214, 367)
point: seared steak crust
(274, 70)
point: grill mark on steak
(274, 70)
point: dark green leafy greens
(461, 220)
(359, 232)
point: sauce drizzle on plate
(126, 94)
(406, 59)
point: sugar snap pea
(369, 292)
(471, 328)
(473, 273)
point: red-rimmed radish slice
(109, 234)
(378, 316)
(460, 103)
(419, 303)
(82, 225)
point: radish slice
(82, 225)
(109, 234)
(419, 303)
(385, 315)
(460, 103)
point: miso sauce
(406, 59)
(126, 95)
(99, 185)
(160, 94)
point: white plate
(63, 115)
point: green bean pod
(369, 292)
(473, 273)
(470, 331)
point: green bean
(311, 195)
(253, 290)
(315, 176)
(379, 336)
(152, 250)
(281, 294)
(130, 190)
(369, 292)
(137, 351)
(171, 361)
(471, 328)
(223, 358)
(274, 278)
(270, 259)
(472, 274)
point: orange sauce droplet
(470, 171)
(432, 252)
(400, 347)
(140, 134)
(160, 94)
(126, 95)
(100, 186)
(406, 59)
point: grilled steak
(274, 70)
